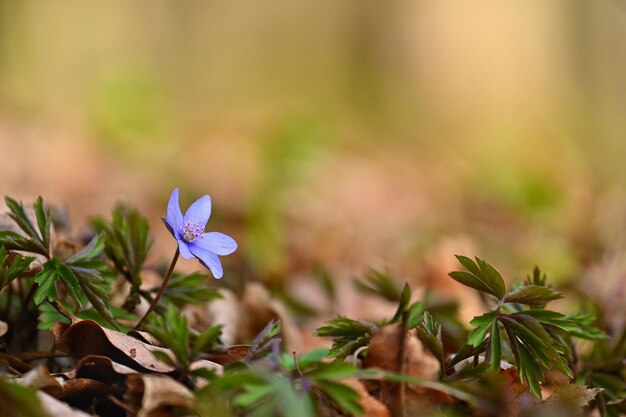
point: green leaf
(345, 397)
(405, 299)
(14, 241)
(126, 241)
(537, 278)
(18, 214)
(379, 283)
(185, 289)
(43, 221)
(336, 369)
(496, 347)
(415, 314)
(38, 242)
(93, 249)
(578, 325)
(532, 295)
(481, 276)
(429, 332)
(207, 340)
(482, 326)
(347, 334)
(12, 267)
(46, 289)
(529, 372)
(172, 331)
(54, 270)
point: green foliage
(12, 266)
(429, 332)
(127, 242)
(172, 331)
(379, 283)
(481, 276)
(539, 339)
(186, 289)
(347, 334)
(82, 276)
(532, 295)
(37, 240)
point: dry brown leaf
(231, 354)
(100, 368)
(205, 364)
(4, 328)
(86, 337)
(56, 408)
(574, 395)
(371, 406)
(156, 395)
(396, 350)
(39, 378)
(518, 396)
(15, 365)
(385, 349)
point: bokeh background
(343, 133)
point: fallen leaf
(395, 350)
(100, 368)
(56, 408)
(371, 406)
(38, 378)
(574, 395)
(86, 337)
(15, 365)
(156, 395)
(4, 328)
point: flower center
(192, 231)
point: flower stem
(156, 300)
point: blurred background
(344, 133)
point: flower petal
(217, 242)
(200, 211)
(183, 248)
(209, 259)
(174, 215)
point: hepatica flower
(192, 239)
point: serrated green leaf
(18, 214)
(496, 347)
(530, 373)
(532, 295)
(482, 326)
(471, 280)
(12, 269)
(481, 276)
(127, 242)
(15, 241)
(46, 289)
(43, 221)
(429, 332)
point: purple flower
(189, 232)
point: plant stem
(156, 300)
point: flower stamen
(192, 231)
